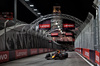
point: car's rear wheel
(66, 55)
(47, 56)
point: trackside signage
(33, 51)
(54, 34)
(97, 57)
(69, 34)
(68, 25)
(41, 50)
(78, 50)
(44, 25)
(21, 53)
(45, 49)
(49, 49)
(4, 56)
(86, 53)
(7, 15)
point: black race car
(56, 55)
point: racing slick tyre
(60, 56)
(47, 56)
(52, 54)
(66, 55)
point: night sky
(77, 8)
(23, 13)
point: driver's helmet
(58, 51)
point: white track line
(85, 60)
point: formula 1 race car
(57, 55)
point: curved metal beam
(63, 16)
(77, 21)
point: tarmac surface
(38, 60)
